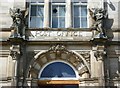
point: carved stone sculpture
(99, 55)
(15, 51)
(18, 25)
(98, 15)
(58, 48)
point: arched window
(58, 70)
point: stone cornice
(59, 29)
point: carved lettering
(58, 33)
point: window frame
(35, 4)
(66, 78)
(51, 16)
(79, 4)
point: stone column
(14, 73)
(99, 55)
(93, 63)
(46, 13)
(101, 71)
(102, 4)
(68, 21)
(14, 53)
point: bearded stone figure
(98, 15)
(18, 25)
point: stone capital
(15, 51)
(99, 55)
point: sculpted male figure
(98, 15)
(18, 25)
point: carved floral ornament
(59, 52)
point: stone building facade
(60, 43)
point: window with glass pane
(58, 16)
(37, 16)
(80, 16)
(64, 71)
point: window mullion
(29, 15)
(51, 14)
(58, 17)
(80, 16)
(73, 15)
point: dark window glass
(84, 22)
(40, 11)
(76, 22)
(83, 11)
(80, 16)
(33, 10)
(62, 22)
(62, 11)
(57, 70)
(58, 16)
(54, 22)
(37, 16)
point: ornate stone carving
(82, 70)
(81, 67)
(15, 51)
(98, 15)
(58, 48)
(99, 55)
(59, 52)
(18, 25)
(86, 55)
